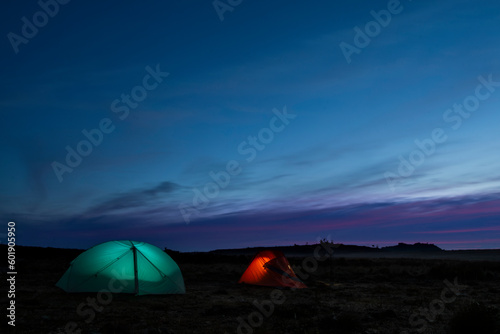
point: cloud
(467, 230)
(368, 223)
(133, 199)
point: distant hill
(340, 249)
(418, 247)
(402, 250)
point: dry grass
(365, 296)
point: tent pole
(136, 276)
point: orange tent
(271, 268)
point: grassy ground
(371, 296)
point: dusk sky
(198, 125)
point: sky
(200, 125)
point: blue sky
(344, 164)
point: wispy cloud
(387, 222)
(467, 230)
(132, 199)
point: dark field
(346, 295)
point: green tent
(123, 267)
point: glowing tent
(271, 268)
(125, 267)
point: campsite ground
(346, 295)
